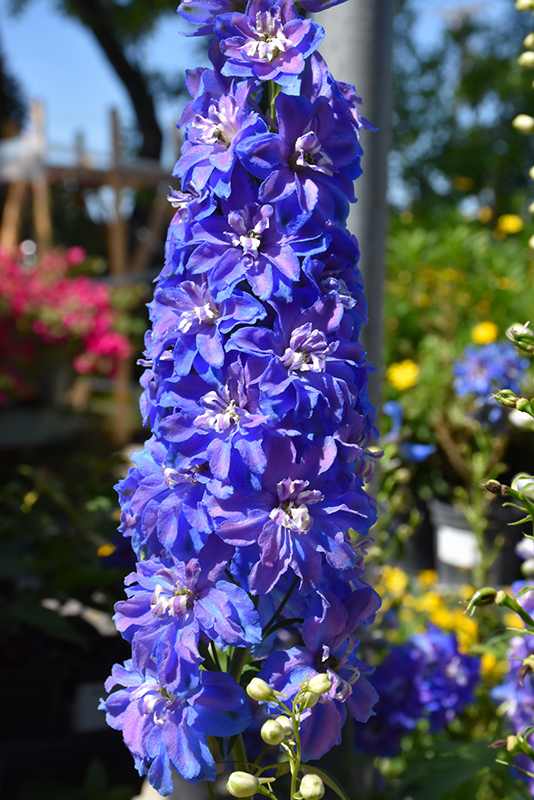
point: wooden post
(11, 216)
(42, 219)
(118, 248)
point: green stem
(215, 656)
(295, 762)
(505, 600)
(282, 604)
(239, 755)
(211, 793)
(274, 89)
(239, 659)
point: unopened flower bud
(259, 690)
(524, 124)
(242, 784)
(494, 487)
(531, 208)
(526, 60)
(320, 684)
(524, 5)
(512, 745)
(311, 787)
(522, 336)
(527, 668)
(308, 699)
(501, 598)
(482, 597)
(506, 398)
(286, 725)
(272, 732)
(528, 41)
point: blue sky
(57, 61)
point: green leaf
(454, 764)
(328, 780)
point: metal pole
(357, 48)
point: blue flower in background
(411, 451)
(486, 368)
(426, 677)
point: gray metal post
(357, 49)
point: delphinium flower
(424, 678)
(485, 369)
(247, 509)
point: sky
(57, 61)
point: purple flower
(309, 166)
(212, 135)
(188, 321)
(162, 507)
(270, 42)
(309, 359)
(203, 12)
(167, 729)
(299, 514)
(330, 647)
(426, 677)
(247, 245)
(220, 423)
(173, 605)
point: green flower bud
(524, 5)
(506, 398)
(261, 691)
(528, 41)
(286, 725)
(308, 699)
(482, 597)
(524, 124)
(521, 335)
(320, 684)
(311, 787)
(242, 784)
(526, 60)
(272, 732)
(501, 598)
(531, 206)
(512, 745)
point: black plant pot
(456, 547)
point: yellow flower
(394, 579)
(105, 550)
(403, 375)
(510, 223)
(485, 332)
(427, 577)
(485, 214)
(463, 183)
(430, 602)
(511, 620)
